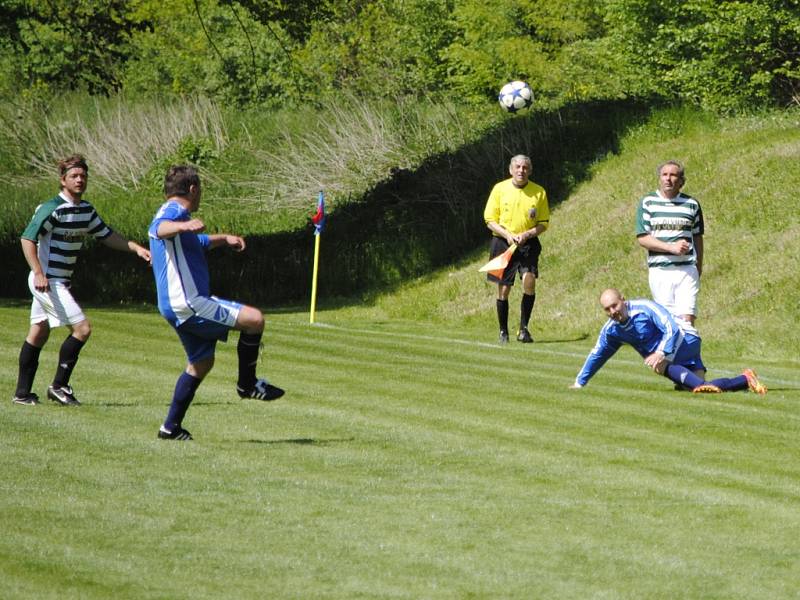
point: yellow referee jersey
(517, 209)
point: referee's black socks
(525, 309)
(502, 314)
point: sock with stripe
(67, 358)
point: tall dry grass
(354, 144)
(121, 139)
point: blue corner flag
(319, 218)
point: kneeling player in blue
(669, 346)
(178, 248)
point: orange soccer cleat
(753, 383)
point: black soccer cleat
(524, 336)
(262, 390)
(62, 395)
(503, 336)
(179, 433)
(28, 399)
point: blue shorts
(199, 335)
(688, 354)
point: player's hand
(40, 282)
(143, 253)
(680, 247)
(235, 242)
(656, 362)
(193, 226)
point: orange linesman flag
(498, 264)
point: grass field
(407, 460)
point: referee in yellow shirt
(517, 212)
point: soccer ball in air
(515, 96)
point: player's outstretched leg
(753, 384)
(251, 324)
(683, 377)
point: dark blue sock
(185, 388)
(731, 384)
(683, 376)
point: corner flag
(319, 224)
(319, 217)
(498, 264)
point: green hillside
(412, 456)
(743, 170)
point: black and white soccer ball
(515, 95)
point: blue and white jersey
(179, 266)
(649, 328)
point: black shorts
(524, 260)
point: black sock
(502, 314)
(185, 388)
(67, 357)
(248, 349)
(525, 309)
(28, 364)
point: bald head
(610, 295)
(613, 303)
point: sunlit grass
(407, 460)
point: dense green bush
(724, 55)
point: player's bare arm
(224, 239)
(169, 229)
(650, 243)
(698, 250)
(29, 250)
(116, 242)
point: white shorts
(676, 288)
(57, 306)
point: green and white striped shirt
(669, 221)
(58, 228)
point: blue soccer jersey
(179, 266)
(649, 328)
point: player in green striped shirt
(51, 244)
(669, 224)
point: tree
(69, 43)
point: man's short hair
(72, 162)
(674, 163)
(179, 179)
(520, 158)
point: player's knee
(82, 330)
(39, 334)
(201, 368)
(251, 320)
